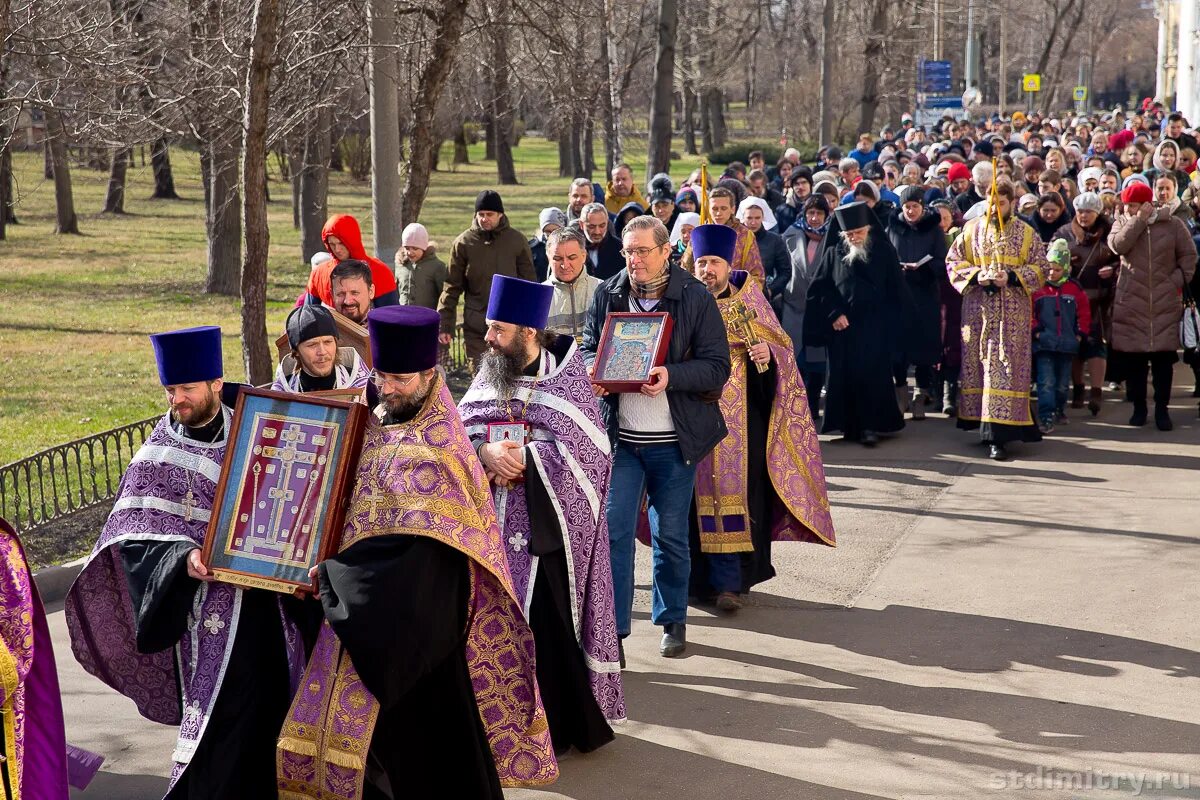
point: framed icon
(289, 469)
(631, 345)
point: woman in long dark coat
(916, 233)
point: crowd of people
(998, 272)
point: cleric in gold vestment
(997, 263)
(424, 658)
(765, 481)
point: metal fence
(69, 477)
(77, 475)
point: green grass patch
(74, 353)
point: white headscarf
(686, 218)
(769, 221)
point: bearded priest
(764, 482)
(536, 425)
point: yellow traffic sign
(1031, 82)
(1080, 94)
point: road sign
(935, 76)
(1031, 82)
(1080, 94)
(948, 101)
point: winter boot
(919, 400)
(1094, 401)
(950, 399)
(1077, 397)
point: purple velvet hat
(714, 240)
(404, 339)
(190, 355)
(519, 302)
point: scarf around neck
(653, 288)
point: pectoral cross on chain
(743, 319)
(189, 502)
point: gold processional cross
(743, 319)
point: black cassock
(398, 603)
(572, 712)
(235, 759)
(756, 565)
(860, 393)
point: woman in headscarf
(803, 241)
(754, 213)
(681, 234)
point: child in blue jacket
(1061, 318)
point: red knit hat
(958, 172)
(1137, 192)
(1120, 140)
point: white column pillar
(1187, 85)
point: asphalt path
(1017, 629)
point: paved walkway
(983, 630)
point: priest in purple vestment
(422, 681)
(549, 480)
(33, 748)
(146, 617)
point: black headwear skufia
(308, 322)
(853, 215)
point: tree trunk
(223, 223)
(384, 68)
(47, 161)
(256, 351)
(716, 110)
(314, 184)
(64, 199)
(689, 119)
(506, 169)
(164, 178)
(565, 158)
(5, 184)
(462, 152)
(872, 56)
(614, 149)
(706, 126)
(489, 134)
(827, 50)
(575, 136)
(114, 200)
(424, 143)
(661, 102)
(588, 157)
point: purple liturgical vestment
(34, 746)
(166, 495)
(571, 452)
(421, 478)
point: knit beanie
(415, 235)
(1137, 193)
(489, 200)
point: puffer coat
(1157, 258)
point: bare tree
(256, 351)
(661, 102)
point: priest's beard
(856, 252)
(398, 404)
(499, 367)
(194, 416)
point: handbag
(1189, 325)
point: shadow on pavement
(110, 786)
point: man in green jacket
(488, 248)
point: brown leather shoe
(729, 602)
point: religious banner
(280, 504)
(350, 334)
(630, 346)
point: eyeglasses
(381, 381)
(639, 252)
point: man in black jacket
(603, 249)
(660, 433)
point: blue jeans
(1053, 383)
(669, 482)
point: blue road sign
(935, 76)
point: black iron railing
(69, 477)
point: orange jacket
(345, 227)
